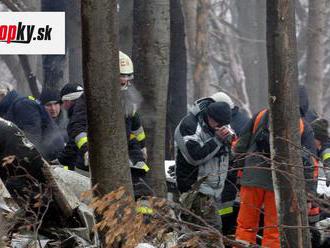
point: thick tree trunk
(126, 26)
(55, 66)
(315, 53)
(18, 73)
(74, 50)
(201, 77)
(151, 55)
(252, 29)
(284, 124)
(106, 128)
(189, 8)
(177, 88)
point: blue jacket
(24, 113)
(33, 119)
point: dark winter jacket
(33, 119)
(200, 155)
(238, 120)
(134, 129)
(24, 113)
(77, 131)
(258, 142)
(311, 116)
(136, 141)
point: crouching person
(203, 142)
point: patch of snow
(145, 245)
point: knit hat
(320, 128)
(48, 96)
(223, 97)
(71, 92)
(220, 112)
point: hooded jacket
(33, 119)
(262, 177)
(200, 155)
(25, 114)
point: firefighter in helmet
(131, 99)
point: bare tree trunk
(326, 80)
(28, 64)
(189, 8)
(29, 75)
(201, 77)
(315, 53)
(55, 66)
(177, 88)
(18, 73)
(252, 29)
(284, 124)
(106, 128)
(151, 55)
(74, 49)
(126, 26)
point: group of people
(56, 125)
(220, 150)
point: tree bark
(74, 49)
(252, 28)
(126, 26)
(106, 128)
(201, 77)
(315, 53)
(284, 124)
(16, 69)
(177, 89)
(151, 57)
(189, 8)
(55, 66)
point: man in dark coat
(203, 141)
(52, 101)
(256, 183)
(32, 118)
(76, 150)
(239, 119)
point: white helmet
(223, 97)
(125, 64)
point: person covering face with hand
(203, 142)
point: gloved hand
(86, 159)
